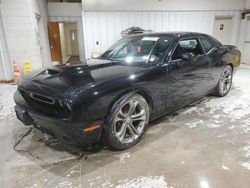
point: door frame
(71, 31)
(78, 21)
(5, 55)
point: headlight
(64, 104)
(67, 105)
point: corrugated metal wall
(105, 27)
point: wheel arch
(128, 93)
(231, 65)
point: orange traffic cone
(17, 74)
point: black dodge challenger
(115, 96)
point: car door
(187, 77)
(215, 56)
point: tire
(225, 83)
(127, 122)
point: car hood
(64, 78)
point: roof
(175, 34)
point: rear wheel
(225, 82)
(128, 122)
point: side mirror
(187, 56)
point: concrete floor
(205, 145)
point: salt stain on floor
(124, 156)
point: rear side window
(187, 46)
(206, 44)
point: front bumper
(64, 129)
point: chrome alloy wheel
(226, 80)
(129, 122)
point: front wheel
(225, 82)
(128, 122)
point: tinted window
(139, 49)
(187, 46)
(206, 44)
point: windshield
(140, 49)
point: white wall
(153, 5)
(16, 16)
(65, 9)
(6, 69)
(106, 27)
(42, 56)
(247, 4)
(20, 24)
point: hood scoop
(45, 74)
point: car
(113, 98)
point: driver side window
(187, 46)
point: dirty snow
(6, 101)
(144, 182)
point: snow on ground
(245, 165)
(6, 101)
(138, 182)
(144, 182)
(246, 150)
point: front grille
(44, 104)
